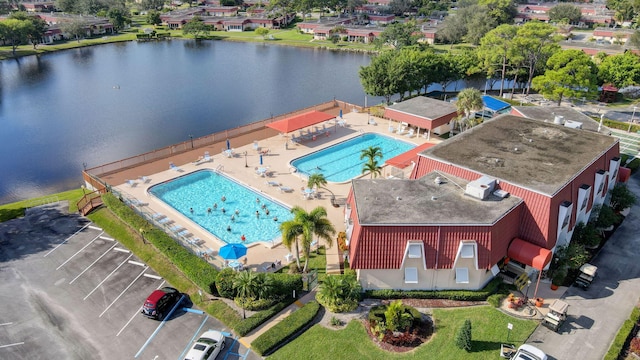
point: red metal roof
(300, 121)
(529, 254)
(403, 160)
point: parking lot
(70, 291)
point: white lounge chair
(273, 183)
(173, 167)
(286, 189)
(372, 121)
(410, 133)
(145, 179)
(207, 157)
(131, 183)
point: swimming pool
(341, 162)
(203, 190)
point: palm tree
(373, 168)
(469, 100)
(247, 287)
(371, 153)
(318, 179)
(303, 227)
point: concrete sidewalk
(250, 337)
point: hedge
(194, 267)
(466, 295)
(623, 336)
(274, 337)
(260, 317)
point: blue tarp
(494, 104)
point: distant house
(510, 191)
(612, 35)
(424, 113)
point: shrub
(335, 321)
(274, 337)
(468, 295)
(463, 337)
(626, 331)
(339, 293)
(634, 346)
(285, 284)
(257, 319)
(495, 300)
(224, 283)
(192, 266)
(622, 197)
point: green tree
(400, 7)
(153, 17)
(303, 227)
(261, 31)
(621, 197)
(568, 13)
(398, 35)
(469, 100)
(152, 4)
(379, 78)
(318, 180)
(16, 32)
(453, 29)
(634, 39)
(339, 293)
(621, 70)
(535, 42)
(195, 27)
(480, 22)
(396, 318)
(570, 73)
(373, 168)
(495, 50)
(119, 17)
(372, 153)
(76, 28)
(39, 26)
(502, 11)
(463, 336)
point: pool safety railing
(219, 137)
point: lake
(99, 104)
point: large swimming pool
(203, 190)
(341, 162)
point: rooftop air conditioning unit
(558, 120)
(480, 188)
(573, 124)
(501, 193)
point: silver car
(207, 347)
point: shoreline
(27, 50)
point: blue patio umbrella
(228, 144)
(260, 159)
(340, 113)
(233, 251)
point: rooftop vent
(438, 180)
(501, 193)
(481, 187)
(558, 119)
(573, 124)
(398, 198)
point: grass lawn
(489, 330)
(16, 209)
(317, 260)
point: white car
(207, 347)
(528, 352)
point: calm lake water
(100, 104)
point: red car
(160, 302)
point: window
(415, 251)
(467, 251)
(462, 276)
(411, 275)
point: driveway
(595, 315)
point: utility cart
(556, 316)
(587, 274)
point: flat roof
(537, 155)
(494, 104)
(425, 107)
(424, 202)
(548, 114)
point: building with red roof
(509, 190)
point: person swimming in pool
(223, 198)
(237, 212)
(229, 228)
(208, 210)
(223, 210)
(233, 218)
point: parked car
(160, 302)
(207, 347)
(529, 352)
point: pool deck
(242, 167)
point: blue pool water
(202, 189)
(341, 162)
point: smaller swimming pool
(203, 190)
(341, 162)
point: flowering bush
(342, 241)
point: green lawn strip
(623, 335)
(489, 330)
(17, 209)
(24, 50)
(317, 260)
(279, 333)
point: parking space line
(123, 291)
(93, 263)
(78, 252)
(153, 276)
(136, 263)
(67, 239)
(14, 344)
(159, 327)
(122, 250)
(193, 338)
(5, 324)
(107, 238)
(95, 228)
(108, 276)
(239, 355)
(134, 315)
